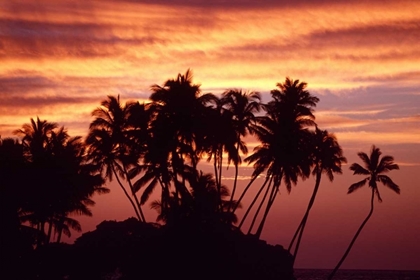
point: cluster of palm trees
(46, 180)
(157, 146)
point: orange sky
(59, 59)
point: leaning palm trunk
(60, 229)
(50, 226)
(126, 194)
(134, 194)
(252, 203)
(302, 225)
(219, 184)
(260, 206)
(236, 178)
(267, 210)
(243, 194)
(354, 238)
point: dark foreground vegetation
(133, 250)
(47, 178)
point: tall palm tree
(374, 169)
(327, 158)
(79, 181)
(63, 182)
(35, 138)
(110, 146)
(243, 106)
(218, 137)
(36, 141)
(284, 137)
(178, 111)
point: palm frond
(357, 185)
(359, 170)
(148, 191)
(365, 159)
(389, 183)
(387, 164)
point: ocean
(352, 274)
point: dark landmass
(135, 250)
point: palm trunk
(219, 184)
(267, 210)
(126, 193)
(50, 226)
(260, 206)
(134, 195)
(164, 197)
(236, 177)
(60, 230)
(41, 232)
(243, 194)
(59, 235)
(252, 203)
(354, 238)
(302, 225)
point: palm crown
(374, 168)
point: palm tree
(373, 169)
(178, 110)
(79, 181)
(110, 146)
(284, 137)
(243, 106)
(36, 141)
(63, 182)
(327, 158)
(201, 206)
(35, 138)
(218, 137)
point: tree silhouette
(36, 141)
(327, 158)
(374, 169)
(202, 206)
(79, 180)
(218, 137)
(111, 147)
(283, 151)
(178, 111)
(13, 196)
(243, 106)
(63, 182)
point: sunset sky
(59, 59)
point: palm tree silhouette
(327, 158)
(80, 180)
(284, 137)
(63, 181)
(374, 169)
(110, 146)
(243, 106)
(201, 206)
(178, 111)
(37, 151)
(218, 136)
